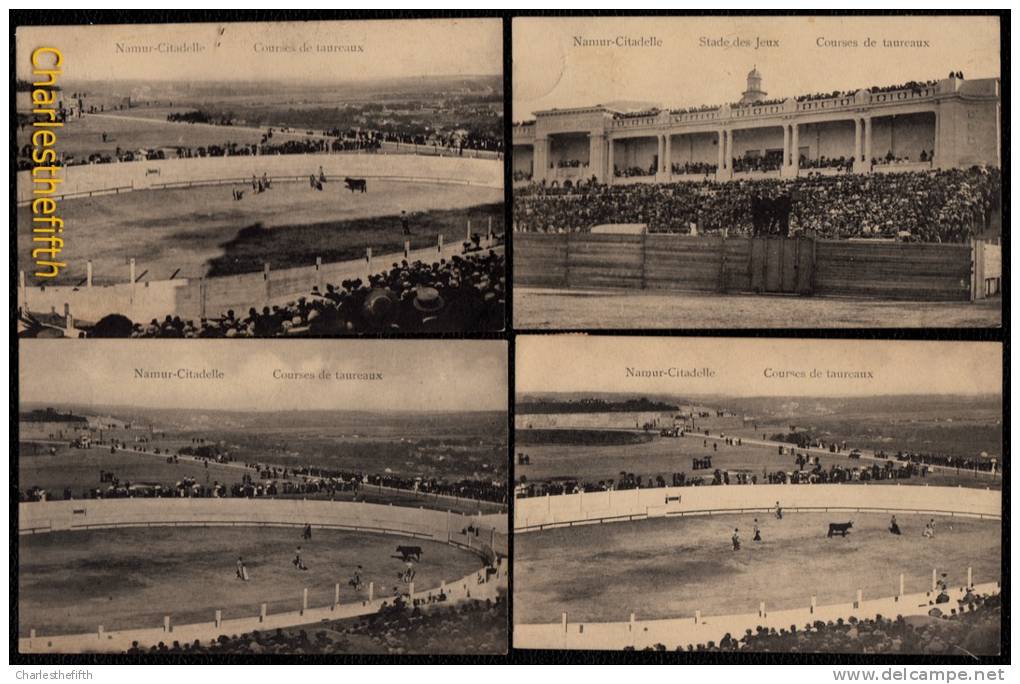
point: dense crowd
(974, 627)
(917, 206)
(464, 293)
(694, 168)
(259, 480)
(470, 627)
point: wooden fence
(880, 270)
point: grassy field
(575, 310)
(666, 455)
(203, 231)
(672, 567)
(73, 581)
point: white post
(368, 259)
(88, 273)
(318, 272)
(631, 627)
(262, 613)
(468, 238)
(697, 617)
(336, 595)
(166, 624)
(440, 244)
(132, 271)
(100, 632)
(407, 249)
(934, 578)
(31, 636)
(901, 584)
(761, 609)
(860, 599)
(970, 577)
(304, 601)
(814, 603)
(371, 590)
(563, 617)
(219, 618)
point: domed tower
(754, 91)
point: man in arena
(736, 539)
(405, 222)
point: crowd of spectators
(460, 294)
(757, 163)
(973, 628)
(824, 96)
(694, 168)
(945, 205)
(913, 86)
(468, 627)
(823, 162)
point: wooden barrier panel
(891, 270)
(540, 260)
(682, 262)
(873, 270)
(605, 261)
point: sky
(579, 363)
(550, 71)
(391, 49)
(417, 375)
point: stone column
(795, 148)
(720, 165)
(661, 154)
(866, 153)
(611, 163)
(541, 157)
(858, 144)
(935, 149)
(786, 147)
(668, 164)
(594, 156)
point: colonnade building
(953, 122)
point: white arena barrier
(545, 512)
(489, 542)
(103, 179)
(540, 512)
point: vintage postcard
(260, 179)
(767, 495)
(688, 172)
(305, 497)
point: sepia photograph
(260, 179)
(749, 496)
(306, 497)
(757, 172)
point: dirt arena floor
(185, 229)
(130, 578)
(580, 309)
(667, 455)
(671, 567)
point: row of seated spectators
(758, 164)
(569, 164)
(914, 86)
(462, 294)
(522, 176)
(816, 475)
(973, 627)
(469, 627)
(262, 479)
(695, 168)
(918, 206)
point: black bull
(356, 184)
(842, 529)
(408, 552)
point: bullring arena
(148, 239)
(675, 581)
(151, 571)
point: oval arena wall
(489, 543)
(536, 513)
(533, 514)
(84, 179)
(196, 297)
